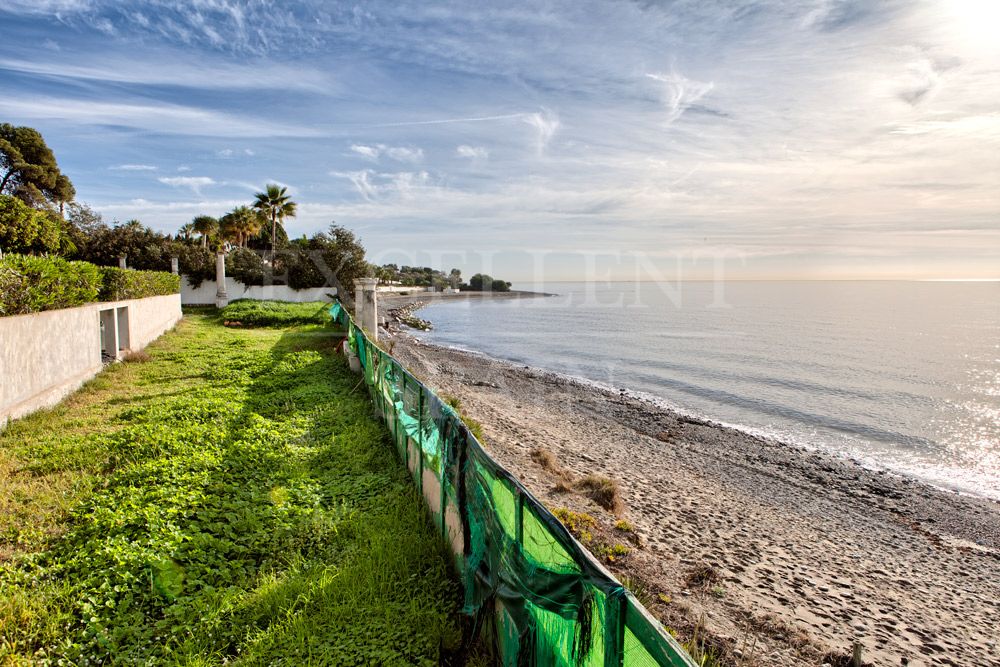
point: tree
(244, 223)
(145, 249)
(28, 168)
(186, 232)
(454, 278)
(276, 205)
(206, 226)
(480, 282)
(27, 230)
(82, 225)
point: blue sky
(814, 139)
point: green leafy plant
(121, 284)
(32, 284)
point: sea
(901, 376)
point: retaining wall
(46, 356)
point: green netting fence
(548, 601)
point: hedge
(32, 284)
(120, 284)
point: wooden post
(856, 657)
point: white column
(366, 305)
(174, 266)
(221, 296)
(121, 262)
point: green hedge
(252, 313)
(120, 284)
(32, 284)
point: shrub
(32, 284)
(604, 491)
(121, 284)
(252, 313)
(246, 266)
(197, 264)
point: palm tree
(275, 203)
(207, 226)
(246, 222)
(186, 231)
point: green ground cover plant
(252, 313)
(229, 501)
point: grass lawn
(231, 500)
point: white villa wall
(204, 294)
(46, 356)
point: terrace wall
(204, 294)
(46, 356)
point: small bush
(604, 491)
(33, 284)
(546, 459)
(137, 357)
(121, 284)
(579, 524)
(624, 526)
(252, 313)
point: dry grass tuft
(546, 459)
(702, 576)
(563, 486)
(137, 357)
(604, 491)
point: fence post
(221, 296)
(366, 306)
(174, 266)
(121, 262)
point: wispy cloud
(545, 123)
(473, 152)
(173, 69)
(133, 167)
(397, 153)
(162, 118)
(196, 183)
(679, 92)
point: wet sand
(812, 552)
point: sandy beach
(779, 555)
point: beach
(778, 555)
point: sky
(550, 140)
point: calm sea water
(900, 375)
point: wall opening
(124, 344)
(109, 335)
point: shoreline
(811, 550)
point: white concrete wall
(402, 288)
(46, 356)
(204, 294)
